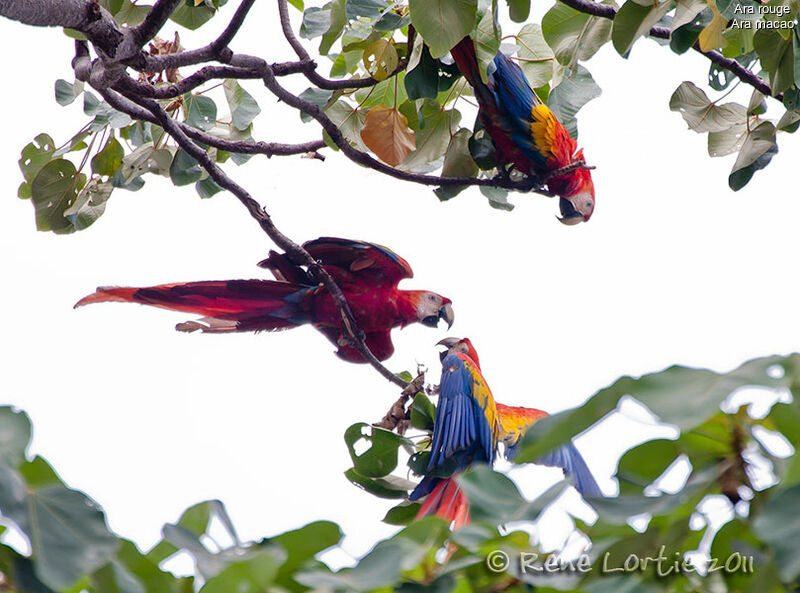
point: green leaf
(423, 412)
(184, 169)
(370, 9)
(381, 457)
(387, 487)
(757, 151)
(535, 56)
(519, 10)
(201, 112)
(382, 566)
(338, 20)
(402, 514)
(482, 150)
(777, 58)
(380, 59)
(575, 35)
(15, 434)
(686, 11)
(90, 203)
(108, 160)
(683, 396)
(302, 545)
(194, 16)
(243, 106)
(443, 23)
(55, 189)
(349, 120)
(423, 80)
(66, 92)
(641, 465)
(252, 575)
(634, 20)
(494, 498)
(67, 530)
(316, 22)
(498, 197)
(34, 156)
(458, 162)
(207, 187)
(779, 526)
(486, 37)
(701, 114)
(570, 95)
(434, 137)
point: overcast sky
(674, 268)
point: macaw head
(456, 345)
(431, 307)
(576, 191)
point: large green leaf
(573, 92)
(201, 111)
(434, 137)
(777, 58)
(443, 23)
(494, 498)
(380, 458)
(15, 434)
(53, 191)
(243, 106)
(302, 545)
(634, 20)
(779, 525)
(758, 148)
(575, 35)
(535, 55)
(701, 114)
(194, 16)
(679, 395)
(66, 529)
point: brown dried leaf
(386, 133)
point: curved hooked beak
(448, 342)
(445, 313)
(569, 214)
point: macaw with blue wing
(466, 431)
(516, 421)
(468, 427)
(367, 273)
(525, 131)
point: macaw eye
(588, 203)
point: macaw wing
(358, 261)
(466, 426)
(569, 459)
(535, 128)
(515, 422)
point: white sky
(673, 268)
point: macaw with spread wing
(367, 273)
(526, 133)
(465, 431)
(516, 421)
(468, 427)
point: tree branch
(155, 19)
(747, 76)
(398, 416)
(268, 149)
(292, 249)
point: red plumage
(368, 275)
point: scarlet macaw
(368, 275)
(465, 431)
(459, 439)
(526, 133)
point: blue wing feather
(568, 458)
(461, 429)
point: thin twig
(398, 416)
(155, 19)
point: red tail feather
(448, 501)
(467, 61)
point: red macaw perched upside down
(468, 427)
(526, 133)
(368, 275)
